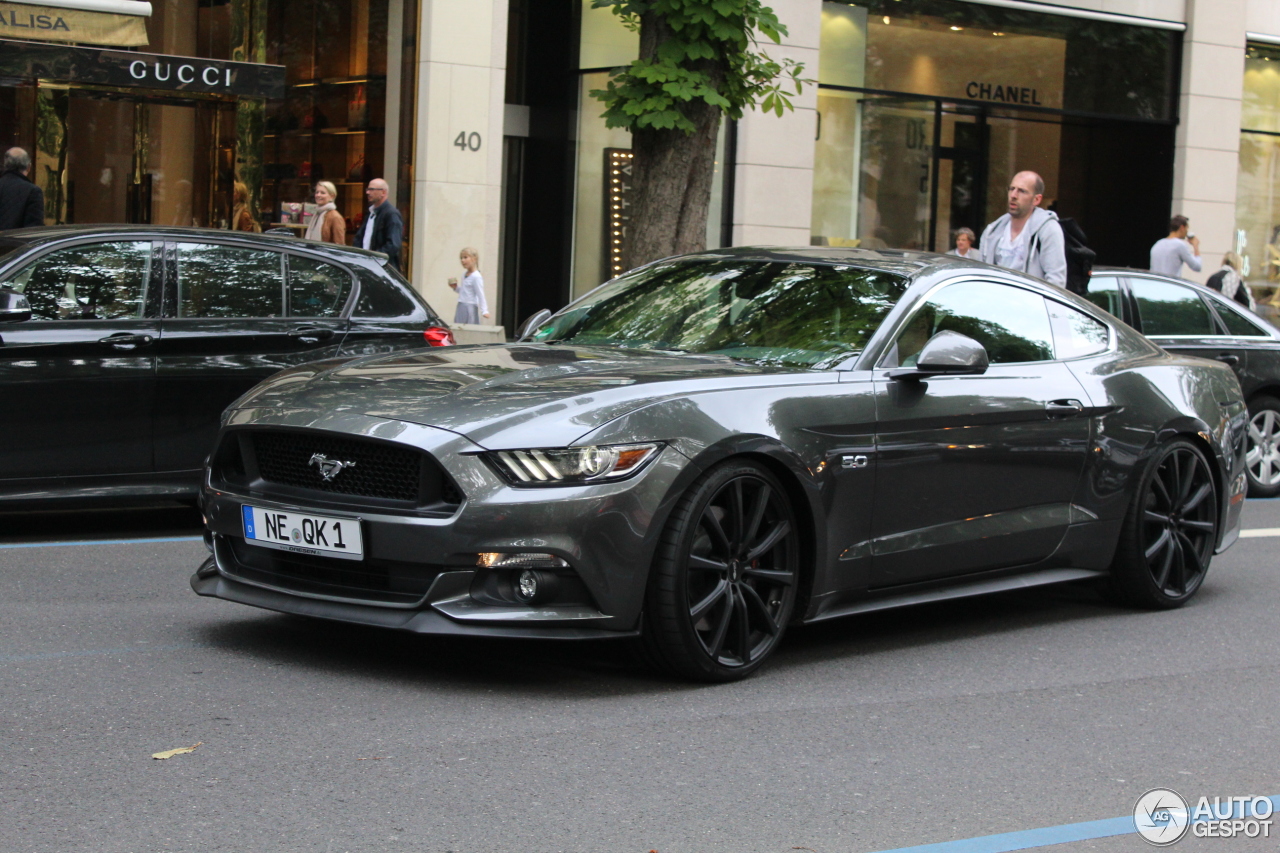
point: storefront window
(928, 107)
(1257, 197)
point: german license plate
(303, 533)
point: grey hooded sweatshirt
(1046, 250)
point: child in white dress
(471, 302)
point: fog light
(520, 561)
(534, 587)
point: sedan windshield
(773, 313)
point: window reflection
(226, 281)
(105, 281)
(1011, 323)
(1171, 309)
(316, 289)
(771, 313)
(1076, 334)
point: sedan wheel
(1262, 453)
(1170, 532)
(725, 581)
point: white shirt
(471, 290)
(368, 229)
(1012, 253)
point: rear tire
(1170, 531)
(1262, 448)
(725, 578)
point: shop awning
(118, 23)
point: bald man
(21, 202)
(1028, 238)
(382, 229)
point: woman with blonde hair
(1227, 281)
(242, 219)
(327, 224)
(471, 302)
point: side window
(102, 281)
(381, 298)
(1104, 291)
(1171, 309)
(228, 281)
(1237, 323)
(316, 289)
(1012, 323)
(1076, 334)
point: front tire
(1169, 532)
(725, 579)
(1262, 448)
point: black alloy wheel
(725, 580)
(1170, 532)
(1262, 447)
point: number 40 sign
(467, 141)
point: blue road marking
(1050, 835)
(103, 542)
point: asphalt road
(1014, 712)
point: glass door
(896, 175)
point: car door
(1178, 318)
(236, 314)
(78, 378)
(976, 472)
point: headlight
(568, 466)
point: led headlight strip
(564, 466)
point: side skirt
(1043, 577)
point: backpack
(1080, 257)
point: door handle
(126, 341)
(1063, 408)
(1228, 358)
(311, 334)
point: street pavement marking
(103, 542)
(1044, 837)
(1259, 532)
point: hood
(508, 395)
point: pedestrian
(1227, 281)
(327, 224)
(471, 302)
(383, 229)
(1028, 237)
(21, 201)
(1168, 254)
(242, 218)
(964, 245)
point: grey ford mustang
(715, 446)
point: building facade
(480, 116)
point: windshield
(772, 313)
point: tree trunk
(671, 174)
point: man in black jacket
(382, 229)
(21, 202)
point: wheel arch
(1198, 434)
(801, 490)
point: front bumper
(606, 534)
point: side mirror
(946, 354)
(14, 307)
(529, 326)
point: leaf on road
(170, 753)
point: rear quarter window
(385, 299)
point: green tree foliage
(708, 52)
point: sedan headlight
(570, 466)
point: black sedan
(121, 346)
(1188, 318)
(714, 446)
